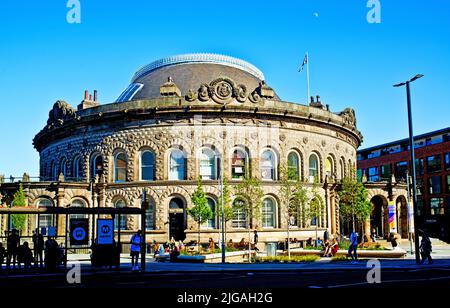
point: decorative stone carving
(191, 96)
(60, 113)
(254, 97)
(349, 116)
(282, 137)
(305, 140)
(240, 93)
(323, 143)
(169, 88)
(203, 92)
(221, 90)
(265, 91)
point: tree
(227, 208)
(353, 202)
(251, 192)
(293, 196)
(316, 206)
(19, 220)
(200, 212)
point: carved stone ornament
(282, 137)
(254, 97)
(203, 92)
(221, 90)
(323, 143)
(305, 140)
(349, 116)
(60, 113)
(240, 93)
(191, 96)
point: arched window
(122, 223)
(329, 167)
(120, 167)
(313, 168)
(211, 223)
(209, 162)
(147, 166)
(53, 171)
(150, 216)
(78, 203)
(240, 214)
(45, 220)
(293, 166)
(77, 168)
(342, 167)
(268, 165)
(97, 166)
(268, 213)
(177, 165)
(176, 204)
(63, 167)
(239, 162)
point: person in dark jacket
(38, 245)
(25, 256)
(426, 248)
(2, 256)
(12, 245)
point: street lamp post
(413, 160)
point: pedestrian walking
(426, 248)
(38, 246)
(352, 250)
(2, 256)
(255, 240)
(12, 245)
(136, 245)
(25, 256)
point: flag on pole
(305, 61)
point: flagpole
(307, 76)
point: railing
(32, 179)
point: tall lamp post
(413, 160)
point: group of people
(22, 254)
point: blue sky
(353, 63)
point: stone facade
(222, 115)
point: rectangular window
(437, 206)
(373, 174)
(420, 166)
(419, 206)
(447, 161)
(448, 183)
(239, 220)
(434, 164)
(386, 172)
(400, 170)
(434, 185)
(420, 187)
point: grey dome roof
(190, 71)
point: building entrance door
(177, 226)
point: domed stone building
(188, 117)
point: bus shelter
(99, 212)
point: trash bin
(271, 249)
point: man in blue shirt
(352, 250)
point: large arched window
(45, 220)
(240, 214)
(268, 165)
(78, 203)
(329, 165)
(268, 213)
(97, 166)
(211, 223)
(239, 162)
(209, 162)
(77, 168)
(147, 166)
(177, 165)
(293, 166)
(150, 216)
(120, 167)
(122, 222)
(313, 168)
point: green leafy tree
(293, 196)
(251, 192)
(228, 212)
(19, 220)
(200, 212)
(354, 204)
(316, 206)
